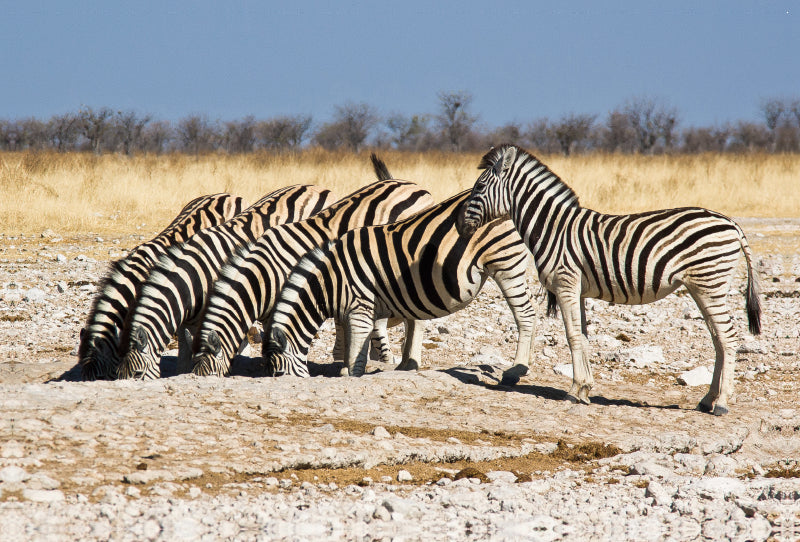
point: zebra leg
(573, 312)
(338, 345)
(357, 331)
(381, 349)
(714, 308)
(518, 296)
(184, 351)
(412, 347)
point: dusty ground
(200, 440)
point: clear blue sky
(714, 61)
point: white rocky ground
(444, 453)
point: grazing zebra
(97, 353)
(174, 293)
(416, 269)
(630, 259)
(250, 283)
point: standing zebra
(97, 353)
(174, 293)
(416, 269)
(249, 285)
(630, 259)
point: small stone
(563, 369)
(12, 474)
(659, 494)
(61, 286)
(752, 346)
(60, 258)
(639, 356)
(35, 295)
(699, 376)
(381, 432)
(404, 476)
(43, 495)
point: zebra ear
(505, 160)
(139, 338)
(213, 343)
(279, 338)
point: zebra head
(97, 355)
(140, 362)
(489, 198)
(280, 358)
(209, 359)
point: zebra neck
(543, 210)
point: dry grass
(75, 193)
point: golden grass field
(77, 192)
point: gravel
(440, 454)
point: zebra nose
(138, 374)
(278, 373)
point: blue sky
(714, 61)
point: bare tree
(618, 134)
(63, 131)
(749, 137)
(698, 140)
(572, 130)
(156, 136)
(349, 129)
(281, 133)
(650, 121)
(239, 136)
(454, 119)
(129, 128)
(538, 135)
(94, 125)
(508, 133)
(410, 133)
(196, 134)
(772, 109)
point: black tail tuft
(380, 168)
(552, 305)
(753, 305)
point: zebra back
(177, 287)
(97, 355)
(415, 269)
(249, 284)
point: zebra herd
(387, 252)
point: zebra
(416, 269)
(97, 351)
(174, 293)
(250, 283)
(628, 259)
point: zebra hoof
(512, 375)
(719, 410)
(345, 371)
(702, 407)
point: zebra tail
(380, 168)
(753, 293)
(552, 305)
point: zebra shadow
(489, 377)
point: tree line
(640, 125)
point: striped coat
(174, 294)
(97, 353)
(415, 269)
(629, 259)
(249, 285)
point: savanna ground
(65, 216)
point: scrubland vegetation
(85, 192)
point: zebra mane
(526, 160)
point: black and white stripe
(97, 353)
(416, 269)
(174, 294)
(249, 285)
(630, 259)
